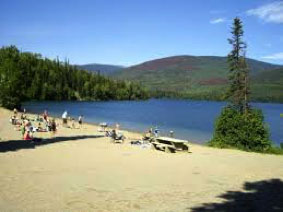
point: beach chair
(119, 138)
(116, 137)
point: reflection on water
(190, 120)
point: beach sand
(78, 170)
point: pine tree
(238, 91)
(238, 125)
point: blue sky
(127, 32)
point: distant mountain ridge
(101, 68)
(199, 76)
(187, 62)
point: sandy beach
(81, 170)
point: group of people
(50, 124)
(23, 124)
(115, 134)
(65, 119)
(46, 124)
(29, 126)
(152, 133)
(40, 124)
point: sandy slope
(89, 173)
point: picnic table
(170, 145)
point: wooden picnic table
(174, 140)
(169, 144)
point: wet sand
(79, 170)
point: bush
(275, 150)
(10, 102)
(243, 131)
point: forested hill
(201, 77)
(27, 76)
(101, 68)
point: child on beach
(53, 126)
(73, 123)
(23, 130)
(39, 127)
(117, 126)
(45, 115)
(13, 120)
(148, 135)
(65, 118)
(80, 120)
(15, 112)
(27, 135)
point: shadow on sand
(261, 196)
(14, 145)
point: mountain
(268, 86)
(200, 77)
(101, 68)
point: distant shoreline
(157, 98)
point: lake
(190, 120)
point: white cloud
(270, 12)
(217, 20)
(277, 56)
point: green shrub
(242, 131)
(10, 102)
(275, 150)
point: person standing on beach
(73, 123)
(53, 127)
(117, 126)
(15, 112)
(64, 117)
(80, 120)
(23, 129)
(45, 115)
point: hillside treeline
(28, 76)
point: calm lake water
(190, 120)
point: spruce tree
(240, 126)
(238, 70)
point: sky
(128, 32)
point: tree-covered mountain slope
(201, 77)
(101, 68)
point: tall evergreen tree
(240, 126)
(238, 76)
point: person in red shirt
(27, 135)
